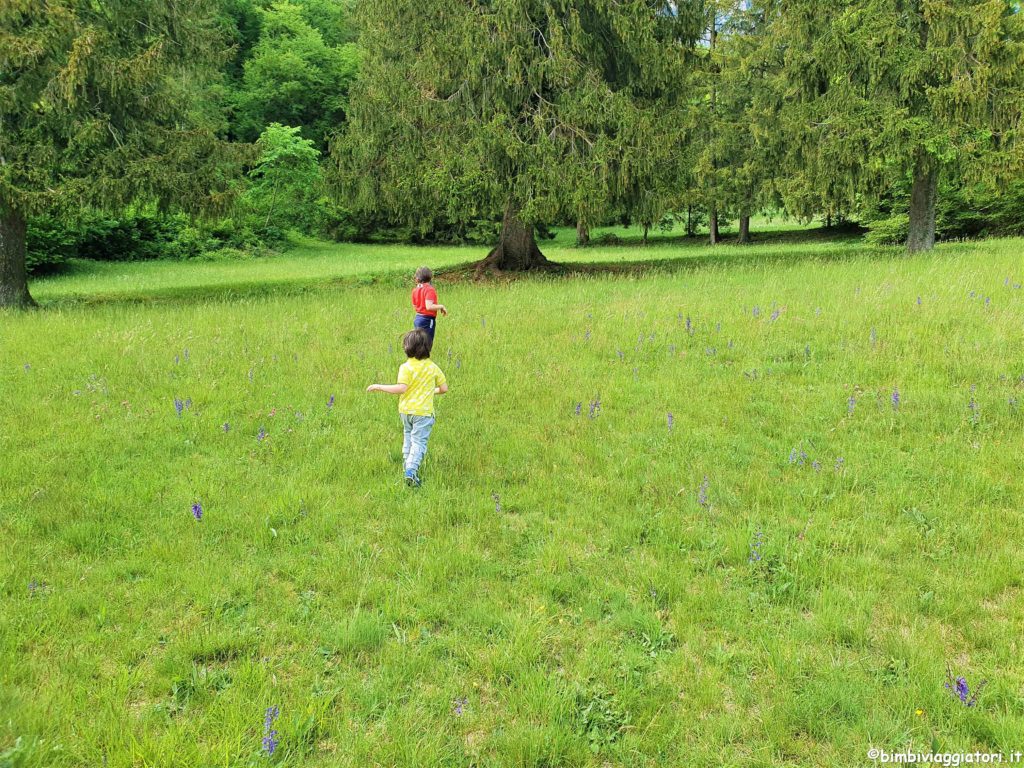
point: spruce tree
(529, 110)
(97, 108)
(872, 90)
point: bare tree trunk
(13, 271)
(690, 231)
(582, 233)
(922, 204)
(828, 220)
(517, 248)
(745, 228)
(647, 228)
(713, 226)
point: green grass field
(671, 516)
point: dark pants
(428, 324)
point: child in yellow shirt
(419, 379)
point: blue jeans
(414, 444)
(428, 324)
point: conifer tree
(509, 107)
(96, 108)
(871, 90)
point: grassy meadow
(749, 508)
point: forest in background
(144, 130)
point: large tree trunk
(13, 273)
(922, 204)
(713, 226)
(582, 233)
(517, 249)
(745, 228)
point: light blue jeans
(414, 444)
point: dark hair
(424, 275)
(417, 344)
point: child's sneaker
(412, 479)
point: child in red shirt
(424, 300)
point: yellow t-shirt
(420, 376)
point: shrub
(890, 231)
(50, 244)
(141, 236)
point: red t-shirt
(420, 294)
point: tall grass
(783, 576)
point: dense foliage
(453, 121)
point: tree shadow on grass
(788, 248)
(781, 253)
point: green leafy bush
(893, 230)
(142, 236)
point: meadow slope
(744, 513)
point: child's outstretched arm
(391, 389)
(441, 389)
(432, 307)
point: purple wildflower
(270, 740)
(579, 408)
(595, 405)
(459, 705)
(330, 402)
(755, 547)
(757, 311)
(988, 300)
(671, 420)
(483, 322)
(226, 427)
(261, 435)
(718, 327)
(816, 465)
(975, 410)
(586, 336)
(250, 375)
(188, 404)
(197, 510)
(702, 493)
(958, 687)
(807, 351)
(851, 404)
(458, 363)
(177, 360)
(775, 315)
(874, 337)
(179, 406)
(840, 463)
(919, 301)
(28, 367)
(896, 398)
(689, 325)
